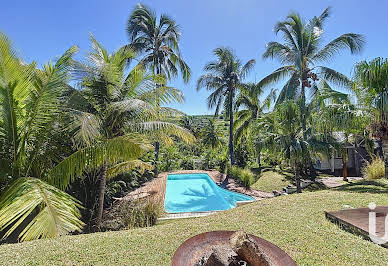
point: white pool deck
(183, 215)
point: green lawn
(271, 180)
(295, 223)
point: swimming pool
(198, 193)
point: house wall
(326, 162)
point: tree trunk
(303, 113)
(259, 159)
(385, 151)
(356, 159)
(231, 152)
(297, 179)
(156, 163)
(313, 173)
(344, 169)
(101, 195)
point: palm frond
(127, 166)
(156, 129)
(335, 77)
(57, 212)
(354, 42)
(275, 76)
(123, 148)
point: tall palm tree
(109, 113)
(225, 77)
(30, 104)
(372, 88)
(301, 55)
(157, 40)
(252, 107)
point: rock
(248, 250)
(220, 256)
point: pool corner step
(183, 215)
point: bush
(187, 164)
(222, 164)
(140, 213)
(375, 169)
(241, 156)
(245, 176)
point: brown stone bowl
(193, 249)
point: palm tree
(292, 142)
(253, 110)
(372, 88)
(30, 104)
(225, 77)
(301, 55)
(158, 42)
(109, 113)
(210, 135)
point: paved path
(333, 182)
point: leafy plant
(245, 176)
(374, 169)
(187, 164)
(140, 213)
(30, 104)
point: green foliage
(57, 212)
(210, 135)
(169, 158)
(224, 78)
(158, 39)
(30, 105)
(140, 213)
(374, 169)
(187, 164)
(245, 176)
(242, 154)
(290, 221)
(302, 49)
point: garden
(87, 143)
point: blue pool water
(197, 193)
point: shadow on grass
(367, 186)
(315, 187)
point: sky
(42, 30)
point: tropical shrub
(187, 164)
(169, 159)
(140, 213)
(245, 176)
(374, 169)
(241, 155)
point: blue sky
(44, 29)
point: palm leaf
(124, 167)
(57, 215)
(111, 151)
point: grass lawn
(296, 223)
(271, 180)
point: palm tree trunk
(231, 152)
(297, 179)
(259, 159)
(157, 144)
(344, 169)
(156, 163)
(303, 113)
(101, 194)
(385, 151)
(313, 173)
